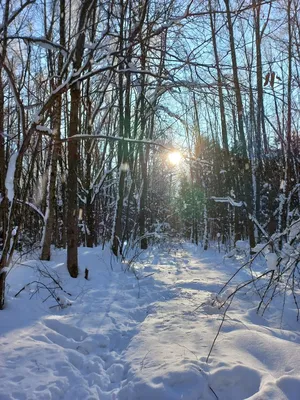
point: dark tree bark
(122, 146)
(73, 156)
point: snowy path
(124, 338)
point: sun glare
(174, 157)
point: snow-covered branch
(33, 207)
(42, 42)
(229, 200)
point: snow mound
(166, 384)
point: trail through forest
(143, 330)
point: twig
(244, 265)
(21, 290)
(147, 276)
(143, 360)
(219, 330)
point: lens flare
(174, 157)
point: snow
(45, 129)
(63, 84)
(294, 230)
(242, 245)
(9, 180)
(260, 247)
(36, 119)
(124, 167)
(46, 44)
(143, 330)
(36, 209)
(228, 200)
(272, 261)
(282, 185)
(4, 135)
(46, 217)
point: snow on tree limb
(229, 200)
(33, 207)
(9, 180)
(42, 42)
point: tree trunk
(240, 112)
(73, 157)
(3, 198)
(220, 83)
(72, 227)
(122, 151)
(51, 200)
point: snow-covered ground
(144, 333)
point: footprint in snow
(69, 331)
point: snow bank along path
(123, 338)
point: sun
(174, 157)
